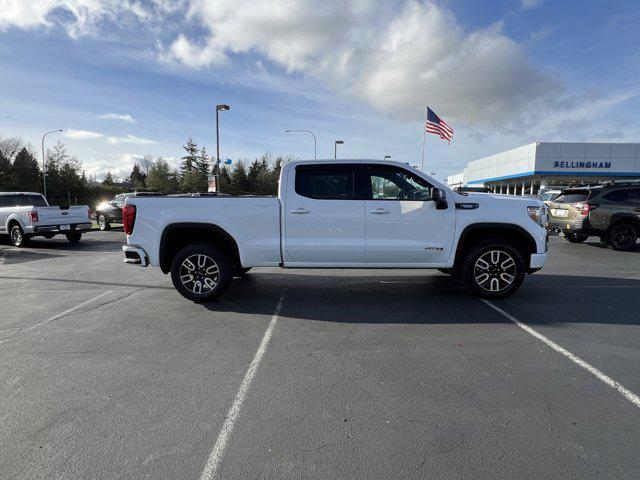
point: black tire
(219, 278)
(17, 237)
(74, 237)
(623, 236)
(502, 264)
(103, 223)
(573, 237)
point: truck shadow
(432, 299)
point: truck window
(325, 183)
(397, 184)
(32, 200)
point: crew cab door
(324, 223)
(403, 225)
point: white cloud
(80, 17)
(528, 4)
(131, 139)
(390, 55)
(81, 134)
(125, 117)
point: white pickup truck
(340, 214)
(26, 214)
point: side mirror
(440, 198)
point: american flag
(438, 126)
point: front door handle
(380, 211)
(300, 211)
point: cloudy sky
(132, 77)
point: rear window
(325, 183)
(22, 201)
(573, 196)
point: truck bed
(253, 222)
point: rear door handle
(300, 211)
(380, 211)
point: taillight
(583, 208)
(33, 216)
(128, 218)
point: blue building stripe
(560, 173)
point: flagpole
(424, 134)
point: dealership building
(526, 169)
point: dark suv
(111, 211)
(610, 211)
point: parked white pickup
(25, 214)
(340, 214)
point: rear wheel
(103, 223)
(493, 269)
(575, 237)
(74, 237)
(623, 236)
(17, 236)
(201, 272)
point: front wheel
(201, 272)
(493, 269)
(623, 236)
(17, 236)
(74, 237)
(573, 237)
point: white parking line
(55, 317)
(216, 454)
(626, 393)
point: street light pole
(44, 167)
(224, 108)
(315, 140)
(335, 147)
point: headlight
(538, 215)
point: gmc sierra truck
(27, 214)
(340, 214)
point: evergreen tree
(161, 178)
(108, 181)
(25, 173)
(203, 168)
(5, 173)
(239, 180)
(137, 177)
(224, 180)
(188, 170)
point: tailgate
(62, 215)
(563, 212)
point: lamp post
(315, 140)
(335, 147)
(44, 167)
(219, 108)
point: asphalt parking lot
(109, 373)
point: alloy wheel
(495, 270)
(199, 274)
(623, 236)
(16, 236)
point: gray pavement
(368, 374)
